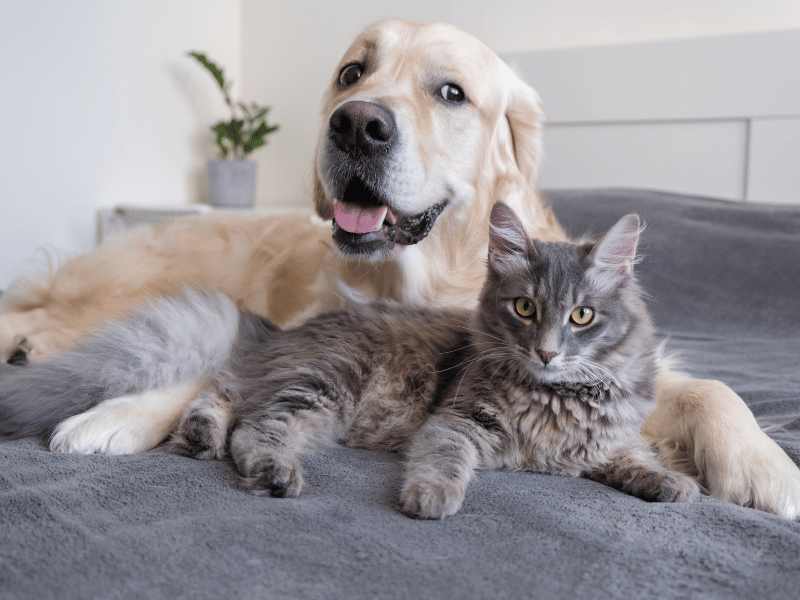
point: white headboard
(714, 116)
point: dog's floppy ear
(321, 202)
(524, 114)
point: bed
(725, 281)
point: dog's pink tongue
(356, 219)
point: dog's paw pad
(17, 353)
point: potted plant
(232, 178)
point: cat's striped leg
(442, 458)
(703, 428)
(636, 471)
(265, 443)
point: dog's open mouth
(363, 225)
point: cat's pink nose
(546, 356)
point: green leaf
(260, 131)
(261, 112)
(246, 110)
(216, 72)
(257, 137)
(220, 130)
(252, 144)
(237, 136)
(235, 127)
(232, 131)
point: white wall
(648, 115)
(102, 107)
(290, 50)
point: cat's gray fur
(459, 391)
(456, 390)
(169, 341)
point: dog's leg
(17, 352)
(703, 428)
(125, 425)
(14, 344)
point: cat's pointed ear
(507, 235)
(615, 253)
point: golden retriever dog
(424, 129)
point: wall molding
(714, 116)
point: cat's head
(565, 312)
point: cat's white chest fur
(567, 433)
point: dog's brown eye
(452, 93)
(350, 74)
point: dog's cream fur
(284, 267)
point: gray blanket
(725, 281)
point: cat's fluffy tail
(168, 341)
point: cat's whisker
(472, 344)
(612, 379)
(508, 360)
(588, 370)
(491, 357)
(475, 359)
(460, 381)
(584, 372)
(605, 371)
(471, 357)
(499, 339)
(591, 378)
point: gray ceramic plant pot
(232, 183)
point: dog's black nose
(362, 128)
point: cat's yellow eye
(582, 315)
(525, 307)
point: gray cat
(553, 372)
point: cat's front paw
(677, 487)
(636, 472)
(431, 499)
(281, 477)
(203, 430)
(198, 437)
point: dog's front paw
(124, 425)
(431, 499)
(754, 472)
(281, 477)
(18, 351)
(704, 429)
(103, 429)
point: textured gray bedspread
(726, 283)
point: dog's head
(421, 123)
